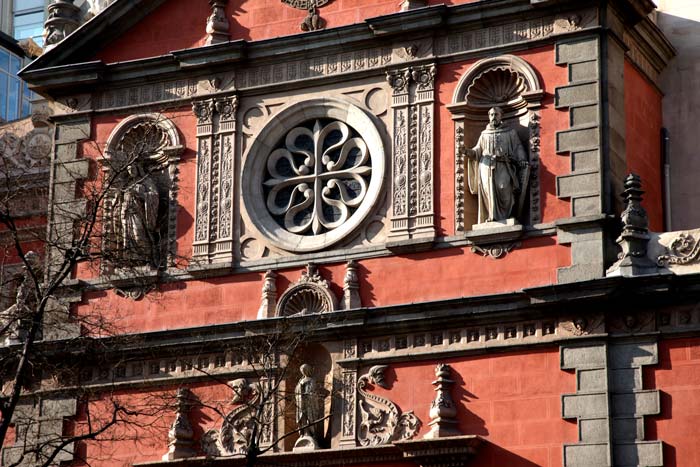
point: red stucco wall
(249, 19)
(500, 397)
(643, 140)
(678, 378)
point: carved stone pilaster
(63, 19)
(217, 23)
(181, 435)
(413, 178)
(351, 288)
(349, 401)
(269, 296)
(443, 411)
(216, 142)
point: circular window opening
(313, 174)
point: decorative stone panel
(214, 212)
(412, 214)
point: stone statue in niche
(14, 318)
(135, 214)
(308, 413)
(498, 172)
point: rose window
(318, 179)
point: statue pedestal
(511, 221)
(305, 443)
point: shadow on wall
(680, 84)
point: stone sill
(454, 451)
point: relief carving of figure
(498, 170)
(136, 216)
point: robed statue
(497, 170)
(308, 413)
(135, 215)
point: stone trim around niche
(276, 141)
(524, 100)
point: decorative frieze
(214, 217)
(412, 156)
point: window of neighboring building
(15, 96)
(28, 16)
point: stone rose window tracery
(318, 177)
(313, 174)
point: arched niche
(509, 82)
(143, 148)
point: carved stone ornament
(268, 303)
(684, 249)
(634, 239)
(217, 23)
(62, 20)
(351, 287)
(141, 164)
(311, 294)
(313, 174)
(313, 20)
(181, 435)
(136, 292)
(234, 436)
(495, 251)
(381, 422)
(443, 411)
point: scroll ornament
(381, 421)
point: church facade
(358, 232)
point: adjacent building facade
(426, 196)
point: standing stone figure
(493, 170)
(136, 209)
(308, 411)
(11, 319)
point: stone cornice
(454, 451)
(51, 75)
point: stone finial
(62, 20)
(406, 5)
(268, 303)
(181, 436)
(633, 260)
(217, 23)
(351, 287)
(443, 411)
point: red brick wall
(678, 378)
(643, 140)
